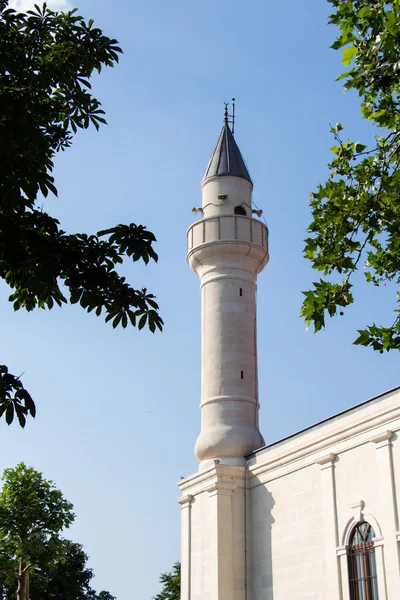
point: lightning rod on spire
(230, 119)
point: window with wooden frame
(362, 565)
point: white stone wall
(286, 528)
(307, 492)
(236, 191)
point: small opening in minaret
(241, 292)
(241, 374)
(239, 210)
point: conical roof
(226, 158)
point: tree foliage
(356, 212)
(14, 398)
(66, 577)
(171, 582)
(46, 62)
(33, 513)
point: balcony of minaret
(220, 230)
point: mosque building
(314, 516)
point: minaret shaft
(228, 332)
(227, 248)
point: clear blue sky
(118, 410)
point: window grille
(362, 565)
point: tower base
(214, 534)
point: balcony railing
(227, 228)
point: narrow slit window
(241, 374)
(241, 292)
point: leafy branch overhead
(356, 212)
(16, 400)
(47, 60)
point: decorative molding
(237, 398)
(185, 500)
(385, 436)
(360, 514)
(378, 541)
(358, 509)
(341, 550)
(196, 479)
(201, 481)
(307, 444)
(221, 488)
(326, 461)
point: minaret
(227, 248)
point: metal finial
(226, 112)
(230, 119)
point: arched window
(239, 210)
(362, 565)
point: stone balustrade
(227, 228)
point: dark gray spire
(226, 158)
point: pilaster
(213, 534)
(332, 589)
(186, 534)
(341, 554)
(380, 568)
(388, 517)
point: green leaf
(365, 12)
(348, 54)
(9, 414)
(21, 418)
(360, 147)
(142, 321)
(390, 23)
(363, 339)
(117, 320)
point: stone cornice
(221, 487)
(312, 447)
(185, 500)
(385, 436)
(220, 476)
(327, 460)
